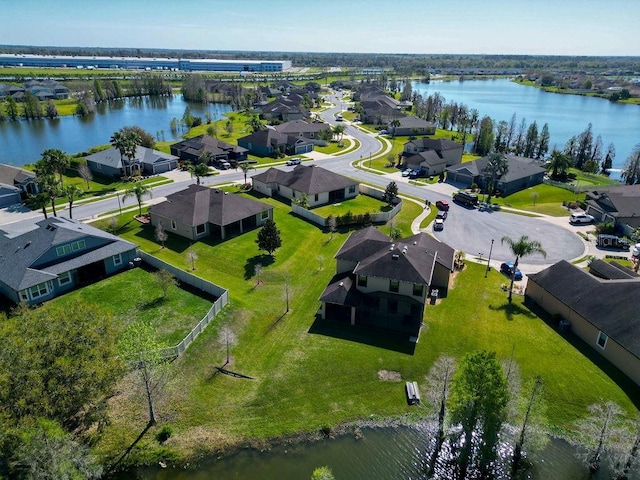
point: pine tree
(269, 237)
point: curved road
(469, 230)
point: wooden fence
(196, 282)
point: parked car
(581, 218)
(438, 224)
(508, 267)
(442, 205)
(294, 161)
(466, 198)
(611, 241)
(224, 165)
(441, 214)
(417, 173)
(635, 251)
(382, 132)
(406, 172)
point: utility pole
(489, 260)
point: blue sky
(549, 27)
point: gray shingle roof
(9, 175)
(609, 305)
(204, 143)
(23, 246)
(111, 157)
(341, 291)
(197, 205)
(623, 200)
(306, 179)
(519, 167)
(362, 244)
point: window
(24, 296)
(70, 247)
(64, 278)
(39, 290)
(602, 340)
(418, 289)
(173, 225)
(392, 306)
(394, 286)
(352, 189)
(264, 215)
(316, 198)
(200, 229)
(362, 280)
(117, 259)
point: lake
(375, 454)
(567, 115)
(24, 141)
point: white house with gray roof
(41, 260)
(147, 161)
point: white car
(581, 218)
(294, 161)
(406, 172)
(635, 250)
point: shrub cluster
(351, 219)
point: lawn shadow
(250, 267)
(388, 341)
(113, 467)
(148, 305)
(616, 375)
(512, 309)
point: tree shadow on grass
(512, 309)
(114, 466)
(250, 266)
(148, 305)
(389, 341)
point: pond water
(567, 115)
(376, 454)
(24, 141)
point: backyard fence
(380, 217)
(568, 186)
(196, 282)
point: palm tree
(395, 123)
(51, 188)
(521, 248)
(496, 167)
(56, 161)
(558, 163)
(39, 200)
(126, 141)
(71, 192)
(138, 191)
(198, 170)
(244, 166)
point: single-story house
(307, 130)
(522, 173)
(321, 186)
(269, 142)
(198, 212)
(147, 161)
(411, 125)
(192, 149)
(385, 285)
(41, 260)
(13, 178)
(600, 308)
(619, 204)
(448, 150)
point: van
(466, 198)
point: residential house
(321, 186)
(47, 89)
(192, 149)
(284, 109)
(385, 285)
(110, 163)
(269, 143)
(17, 183)
(199, 212)
(432, 156)
(600, 308)
(306, 130)
(41, 260)
(619, 204)
(411, 125)
(522, 173)
(377, 107)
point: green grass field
(545, 199)
(133, 294)
(359, 205)
(308, 374)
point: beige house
(385, 285)
(198, 212)
(321, 186)
(600, 306)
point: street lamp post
(369, 159)
(489, 260)
(119, 204)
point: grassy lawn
(133, 294)
(359, 205)
(548, 200)
(309, 374)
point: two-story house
(385, 285)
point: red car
(442, 205)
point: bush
(164, 434)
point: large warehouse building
(135, 63)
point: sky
(526, 27)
